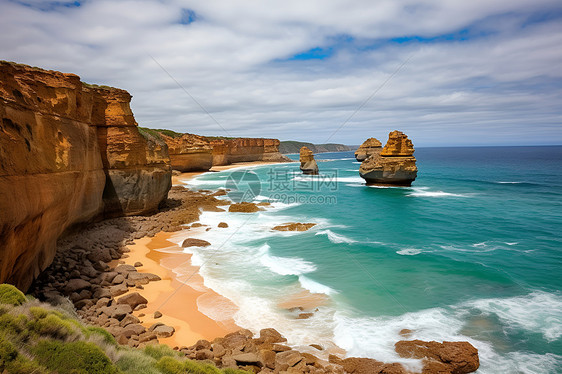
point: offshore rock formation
(446, 357)
(189, 152)
(308, 163)
(395, 165)
(230, 151)
(68, 152)
(370, 147)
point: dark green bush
(54, 327)
(11, 295)
(200, 368)
(75, 358)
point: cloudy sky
(446, 72)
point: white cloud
(504, 81)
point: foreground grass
(37, 338)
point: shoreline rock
(370, 147)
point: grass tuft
(11, 295)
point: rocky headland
(80, 188)
(308, 163)
(394, 165)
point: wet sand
(177, 300)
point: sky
(445, 72)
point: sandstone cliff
(67, 153)
(370, 147)
(308, 163)
(189, 152)
(230, 151)
(395, 165)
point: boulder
(442, 358)
(77, 284)
(193, 242)
(164, 331)
(132, 299)
(370, 147)
(294, 226)
(308, 164)
(243, 207)
(395, 165)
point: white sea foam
(409, 251)
(423, 192)
(510, 182)
(336, 238)
(315, 287)
(538, 311)
(350, 179)
(285, 265)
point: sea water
(472, 251)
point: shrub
(136, 362)
(200, 368)
(11, 295)
(76, 358)
(106, 335)
(157, 351)
(14, 363)
(169, 365)
(54, 327)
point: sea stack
(395, 165)
(370, 147)
(308, 164)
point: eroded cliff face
(52, 173)
(189, 152)
(230, 151)
(138, 171)
(395, 165)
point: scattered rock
(294, 226)
(157, 314)
(223, 225)
(243, 207)
(164, 331)
(138, 264)
(74, 285)
(193, 242)
(446, 357)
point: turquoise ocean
(472, 251)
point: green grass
(37, 338)
(74, 357)
(11, 295)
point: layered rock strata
(230, 151)
(308, 163)
(189, 152)
(370, 147)
(395, 165)
(68, 152)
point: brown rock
(138, 264)
(354, 365)
(308, 164)
(164, 331)
(272, 335)
(133, 300)
(370, 147)
(223, 225)
(247, 359)
(289, 358)
(193, 242)
(74, 285)
(125, 269)
(446, 357)
(243, 207)
(294, 226)
(319, 347)
(395, 165)
(157, 315)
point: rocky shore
(89, 271)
